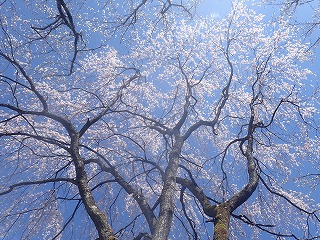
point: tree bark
(98, 217)
(164, 220)
(221, 222)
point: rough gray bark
(164, 220)
(221, 222)
(97, 216)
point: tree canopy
(145, 120)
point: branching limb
(138, 196)
(37, 182)
(90, 122)
(67, 18)
(191, 223)
(28, 78)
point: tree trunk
(221, 222)
(98, 217)
(164, 220)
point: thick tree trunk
(97, 216)
(164, 220)
(221, 222)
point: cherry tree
(294, 9)
(187, 128)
